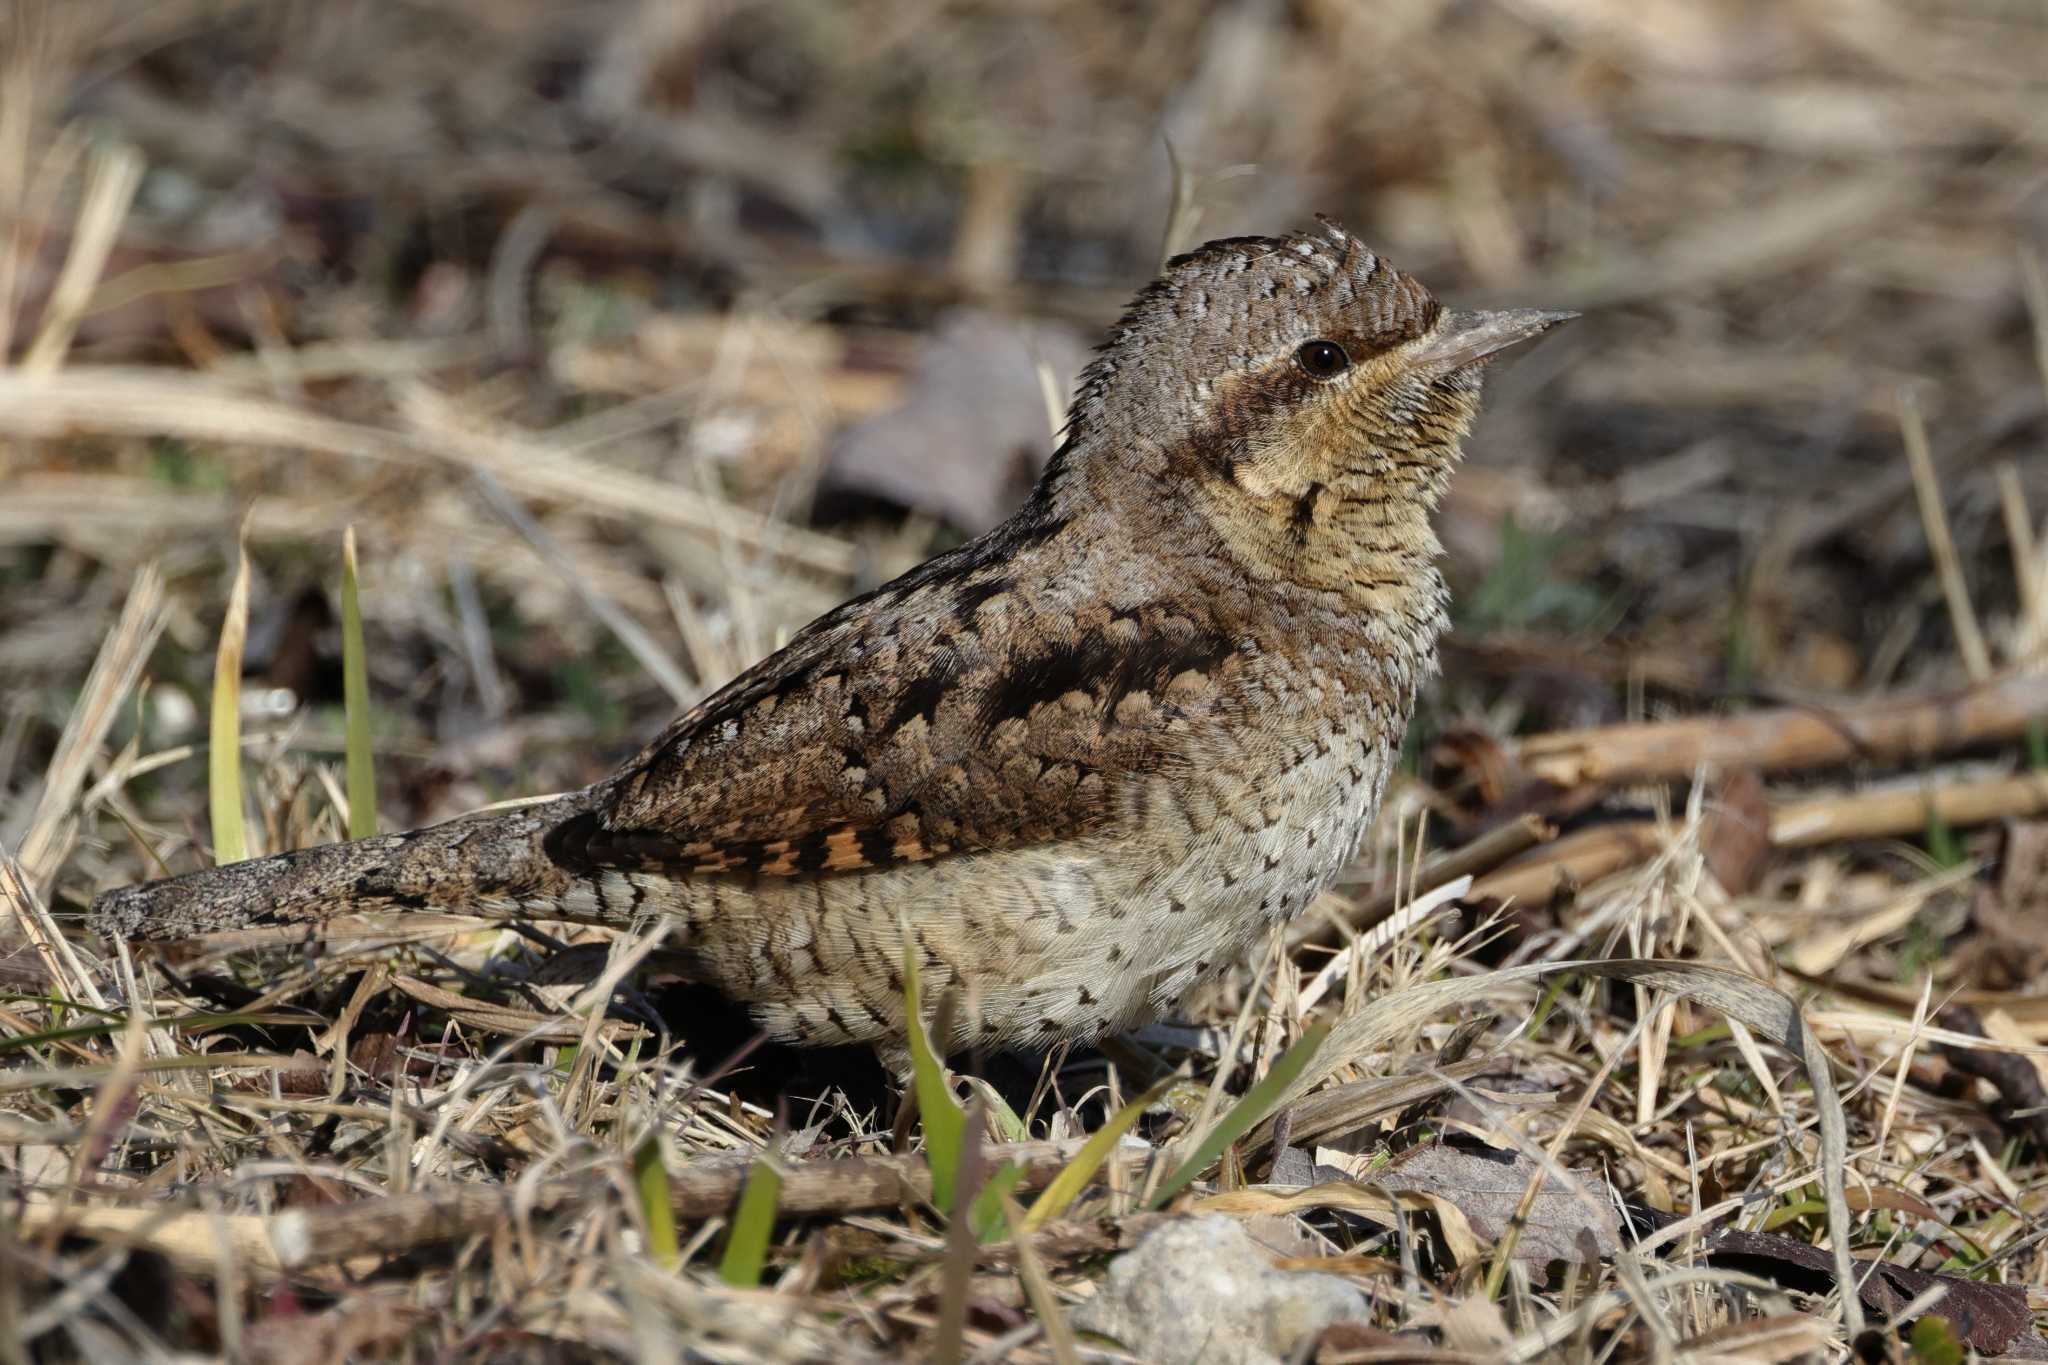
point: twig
(1474, 859)
(643, 647)
(111, 181)
(114, 672)
(2034, 284)
(1578, 859)
(697, 1190)
(1947, 564)
(198, 408)
(1877, 815)
(2019, 536)
(1588, 855)
(1789, 738)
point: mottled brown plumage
(1080, 761)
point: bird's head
(1300, 389)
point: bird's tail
(490, 864)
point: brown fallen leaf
(1479, 1187)
(1735, 837)
(1992, 1318)
(2022, 1106)
(1487, 1185)
(974, 426)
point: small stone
(1202, 1288)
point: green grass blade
(355, 699)
(987, 1213)
(224, 754)
(1066, 1187)
(58, 1004)
(1243, 1115)
(746, 1246)
(1942, 845)
(1005, 1123)
(1934, 1342)
(650, 1181)
(956, 1265)
(939, 1112)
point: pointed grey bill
(1462, 337)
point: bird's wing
(927, 720)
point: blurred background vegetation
(827, 263)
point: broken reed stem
(224, 735)
(398, 1223)
(1948, 565)
(195, 1242)
(2019, 536)
(114, 401)
(2034, 285)
(1474, 859)
(115, 670)
(114, 174)
(1789, 739)
(1584, 857)
(1578, 859)
(1888, 814)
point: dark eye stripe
(1322, 359)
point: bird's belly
(1091, 937)
(1264, 865)
(1037, 945)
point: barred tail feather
(488, 864)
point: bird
(1067, 770)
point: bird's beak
(1461, 338)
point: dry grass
(566, 310)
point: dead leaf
(1476, 759)
(1989, 1317)
(974, 427)
(1475, 1191)
(1735, 838)
(1487, 1184)
(2022, 1099)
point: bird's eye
(1322, 359)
